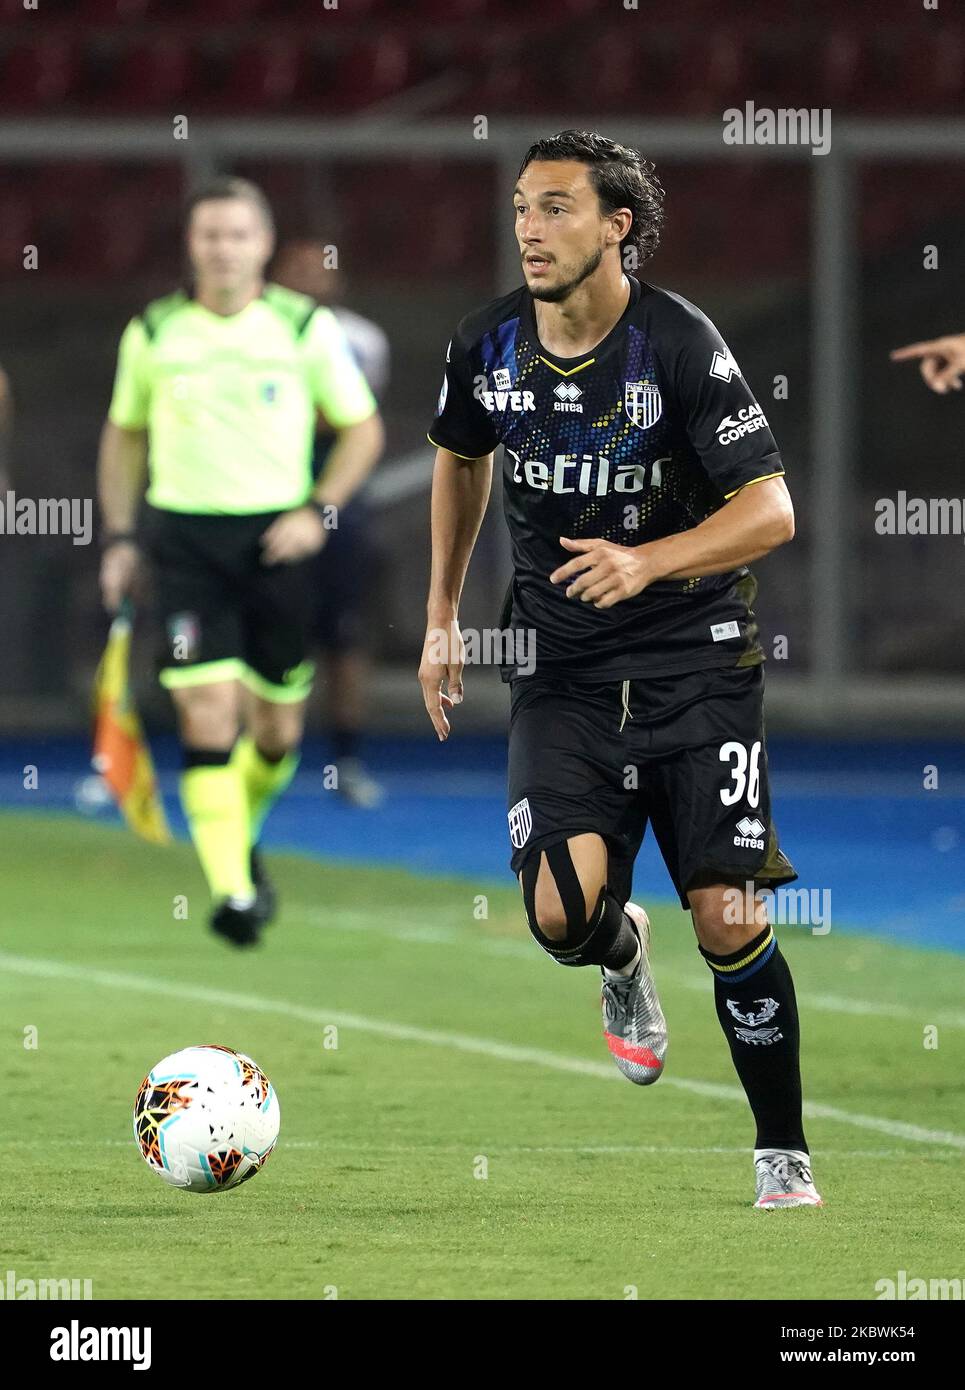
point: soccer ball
(206, 1118)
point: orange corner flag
(121, 754)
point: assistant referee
(216, 399)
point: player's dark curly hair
(622, 177)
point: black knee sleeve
(606, 939)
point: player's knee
(725, 918)
(549, 912)
(557, 910)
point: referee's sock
(263, 780)
(757, 1009)
(213, 797)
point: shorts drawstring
(626, 704)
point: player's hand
(443, 657)
(942, 361)
(119, 572)
(293, 536)
(603, 573)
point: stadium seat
(371, 70)
(843, 70)
(932, 78)
(263, 74)
(152, 73)
(41, 74)
(114, 11)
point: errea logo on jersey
(733, 427)
(568, 397)
(723, 366)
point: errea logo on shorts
(748, 419)
(520, 823)
(750, 833)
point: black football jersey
(643, 437)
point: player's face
(561, 231)
(228, 243)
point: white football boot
(633, 1021)
(784, 1179)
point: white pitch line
(412, 927)
(376, 1149)
(460, 1042)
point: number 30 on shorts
(745, 770)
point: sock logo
(769, 1008)
(754, 1032)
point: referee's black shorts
(684, 752)
(226, 615)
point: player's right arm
(465, 441)
(460, 493)
(122, 466)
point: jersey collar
(569, 364)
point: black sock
(755, 1001)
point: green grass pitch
(468, 1137)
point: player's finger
(609, 598)
(594, 575)
(930, 368)
(948, 377)
(593, 592)
(583, 543)
(435, 701)
(456, 692)
(904, 354)
(575, 566)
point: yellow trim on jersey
(471, 457)
(572, 371)
(762, 479)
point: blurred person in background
(941, 361)
(214, 402)
(343, 569)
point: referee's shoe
(239, 920)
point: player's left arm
(729, 433)
(754, 522)
(342, 394)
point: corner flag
(121, 754)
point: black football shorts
(226, 615)
(685, 753)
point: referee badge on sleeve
(520, 823)
(642, 402)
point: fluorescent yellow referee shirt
(229, 402)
